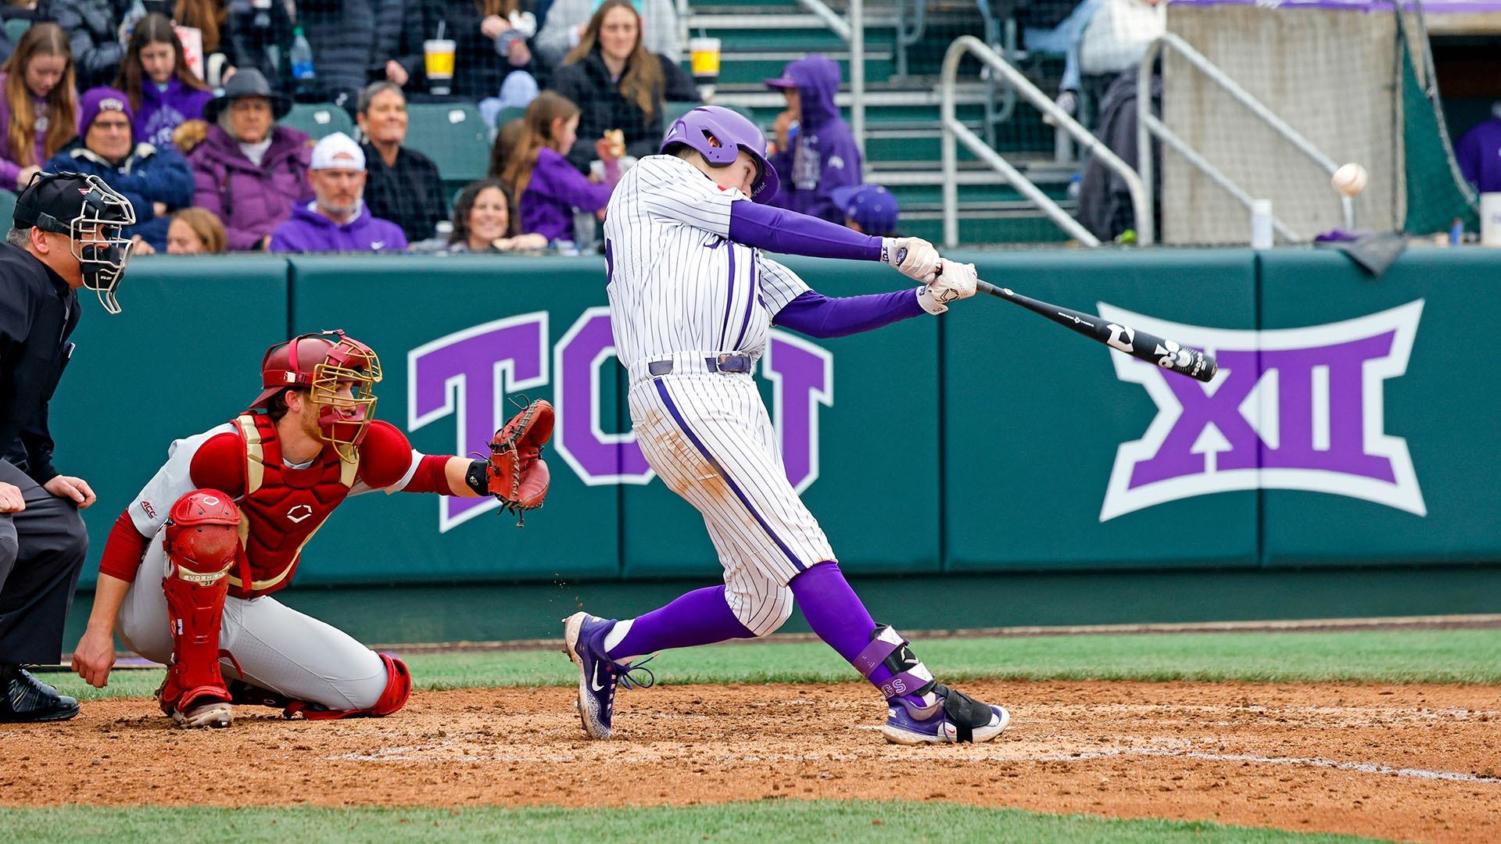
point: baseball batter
(692, 300)
(190, 566)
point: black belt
(719, 363)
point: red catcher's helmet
(322, 363)
(203, 535)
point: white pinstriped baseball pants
(708, 437)
(277, 647)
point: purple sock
(700, 617)
(836, 614)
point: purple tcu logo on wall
(469, 374)
(1297, 408)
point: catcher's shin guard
(392, 698)
(202, 543)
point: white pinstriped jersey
(677, 283)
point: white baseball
(1349, 179)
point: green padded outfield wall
(1353, 422)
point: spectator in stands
(403, 185)
(1478, 153)
(156, 181)
(248, 170)
(618, 83)
(491, 48)
(337, 219)
(163, 92)
(195, 231)
(868, 209)
(39, 109)
(815, 149)
(567, 21)
(1100, 39)
(352, 41)
(505, 146)
(482, 222)
(548, 186)
(93, 29)
(246, 35)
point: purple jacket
(308, 231)
(9, 169)
(1478, 153)
(250, 200)
(824, 155)
(555, 189)
(162, 111)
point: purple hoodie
(824, 155)
(9, 169)
(309, 231)
(1479, 155)
(162, 111)
(555, 189)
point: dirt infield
(1408, 762)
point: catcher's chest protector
(282, 507)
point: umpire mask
(93, 216)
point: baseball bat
(1184, 360)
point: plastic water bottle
(1261, 224)
(303, 75)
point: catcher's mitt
(517, 474)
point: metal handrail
(852, 31)
(1148, 125)
(953, 129)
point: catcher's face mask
(343, 393)
(96, 236)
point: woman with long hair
(39, 109)
(196, 231)
(162, 90)
(547, 185)
(618, 83)
(482, 221)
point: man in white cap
(337, 220)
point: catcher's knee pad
(398, 689)
(202, 543)
(889, 664)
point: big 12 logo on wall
(468, 374)
(1295, 408)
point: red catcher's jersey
(281, 506)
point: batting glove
(914, 257)
(953, 282)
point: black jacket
(478, 70)
(93, 30)
(602, 107)
(352, 40)
(38, 312)
(409, 194)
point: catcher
(221, 527)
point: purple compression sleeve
(780, 230)
(699, 617)
(836, 614)
(817, 315)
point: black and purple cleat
(583, 641)
(952, 718)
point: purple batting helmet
(718, 133)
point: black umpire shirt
(38, 312)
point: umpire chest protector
(283, 507)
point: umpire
(68, 233)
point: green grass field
(1415, 656)
(767, 821)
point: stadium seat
(506, 115)
(319, 119)
(454, 136)
(16, 27)
(7, 206)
